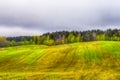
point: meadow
(96, 60)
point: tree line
(62, 37)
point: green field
(78, 61)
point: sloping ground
(78, 61)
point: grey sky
(29, 17)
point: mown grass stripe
(34, 56)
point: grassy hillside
(77, 61)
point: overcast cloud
(30, 17)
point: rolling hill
(97, 60)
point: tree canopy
(64, 37)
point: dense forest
(62, 37)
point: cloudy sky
(31, 17)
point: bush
(3, 44)
(49, 42)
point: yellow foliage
(2, 39)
